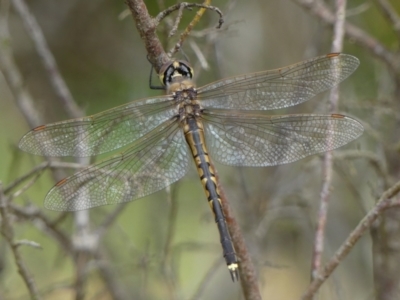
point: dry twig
(357, 35)
(384, 202)
(8, 232)
(337, 45)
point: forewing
(99, 133)
(279, 88)
(152, 163)
(256, 140)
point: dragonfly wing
(256, 139)
(279, 88)
(99, 133)
(152, 163)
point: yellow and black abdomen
(194, 135)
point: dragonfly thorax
(177, 79)
(182, 89)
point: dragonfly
(226, 120)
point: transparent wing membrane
(259, 140)
(100, 133)
(279, 88)
(154, 162)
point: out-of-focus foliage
(103, 61)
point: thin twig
(212, 38)
(364, 225)
(26, 186)
(199, 54)
(44, 224)
(39, 168)
(8, 233)
(35, 33)
(14, 79)
(357, 35)
(28, 243)
(11, 72)
(390, 13)
(81, 262)
(15, 82)
(337, 45)
(177, 21)
(146, 26)
(187, 5)
(193, 23)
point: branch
(35, 33)
(39, 168)
(43, 223)
(11, 72)
(365, 224)
(180, 7)
(8, 233)
(337, 45)
(360, 37)
(389, 12)
(146, 27)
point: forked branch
(147, 26)
(385, 201)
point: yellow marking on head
(176, 70)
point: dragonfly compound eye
(175, 71)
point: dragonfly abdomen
(194, 135)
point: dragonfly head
(175, 71)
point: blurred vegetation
(103, 61)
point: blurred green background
(103, 61)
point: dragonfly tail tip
(234, 271)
